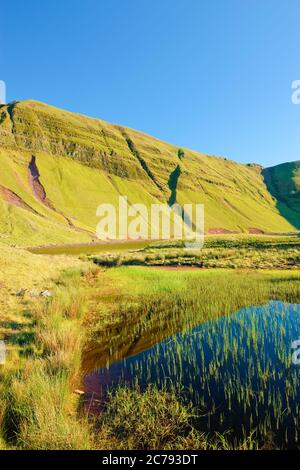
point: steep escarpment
(62, 165)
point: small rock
(46, 293)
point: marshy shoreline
(99, 315)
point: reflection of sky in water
(237, 369)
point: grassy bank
(40, 408)
(232, 252)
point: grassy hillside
(283, 182)
(57, 167)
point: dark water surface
(89, 248)
(236, 370)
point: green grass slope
(283, 182)
(83, 162)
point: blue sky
(211, 75)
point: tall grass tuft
(149, 420)
(41, 410)
(156, 419)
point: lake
(236, 370)
(89, 248)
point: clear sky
(211, 75)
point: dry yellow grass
(21, 270)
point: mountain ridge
(85, 161)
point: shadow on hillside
(291, 215)
(172, 183)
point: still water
(237, 371)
